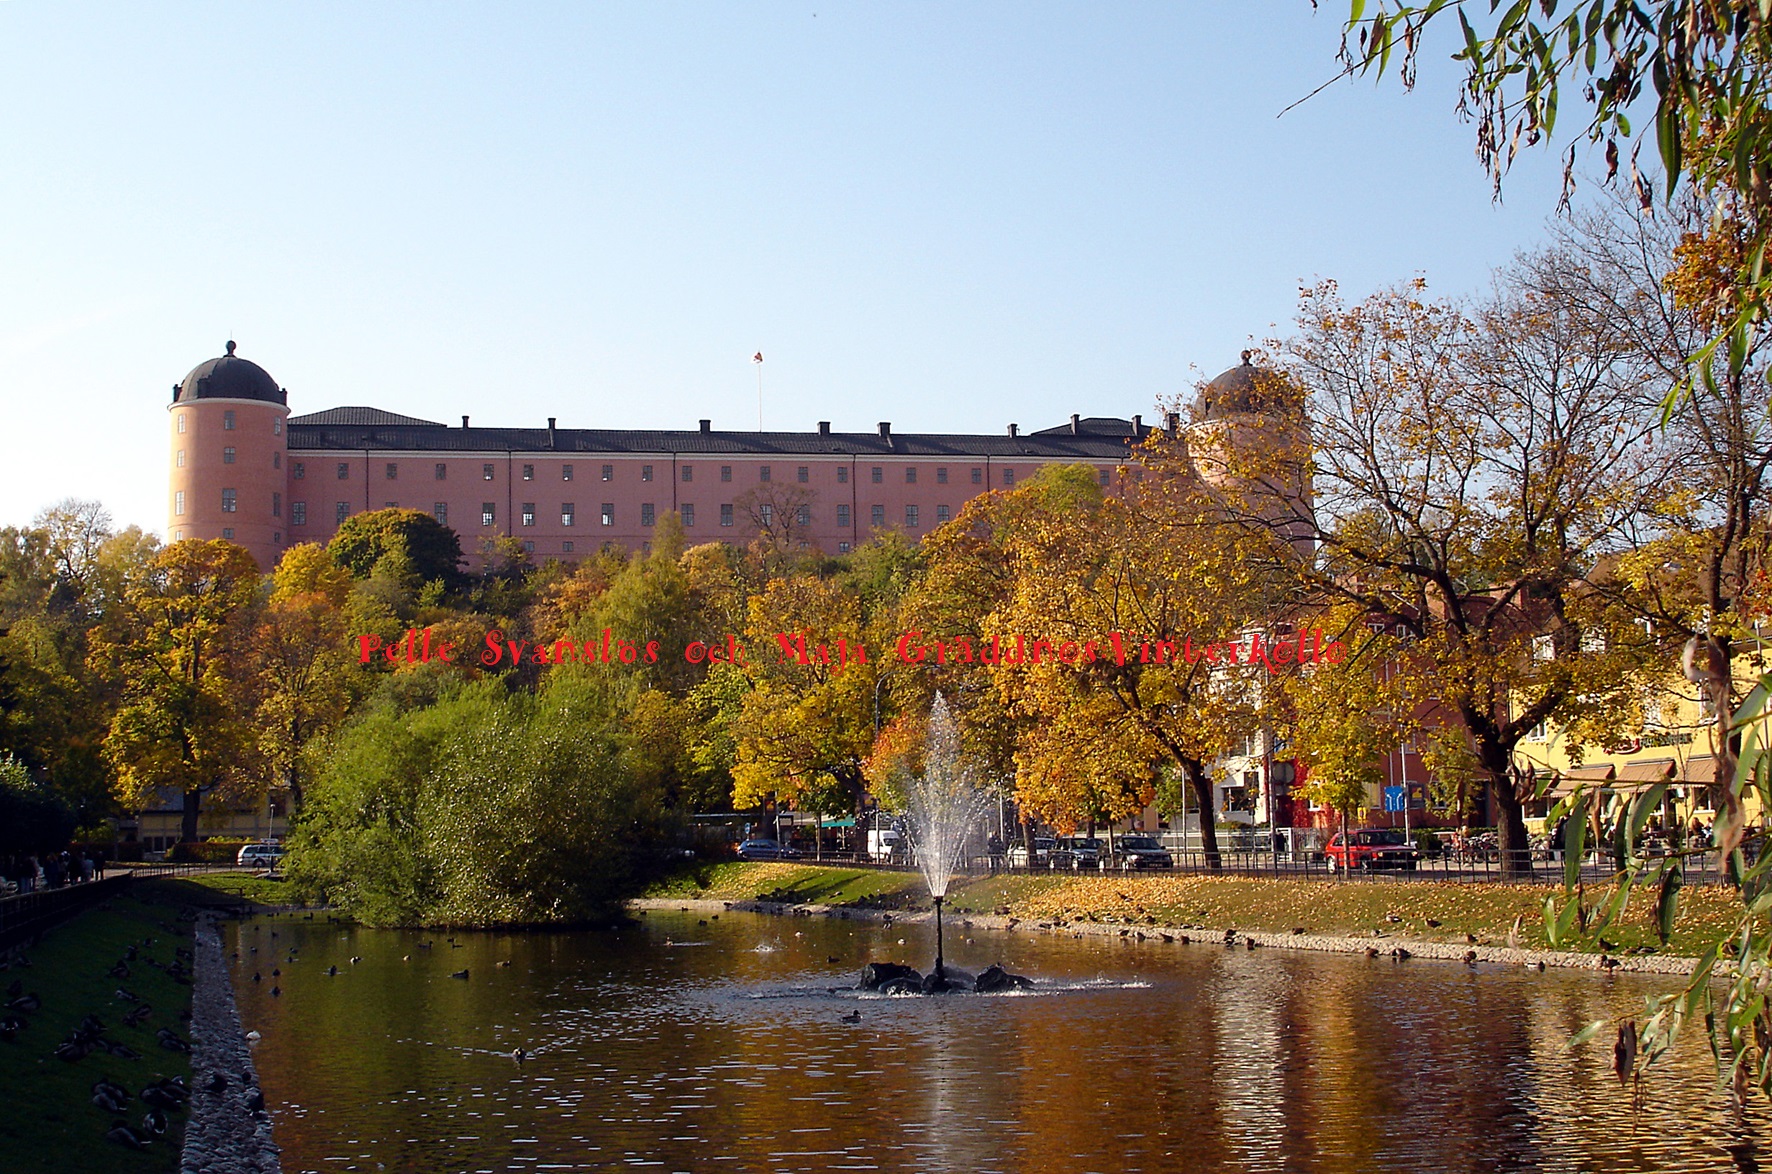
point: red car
(1369, 849)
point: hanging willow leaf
(1624, 1050)
(1585, 1034)
(1667, 906)
(1574, 839)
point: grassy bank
(50, 1123)
(1417, 909)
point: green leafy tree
(432, 549)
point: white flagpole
(758, 359)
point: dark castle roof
(1104, 438)
(229, 377)
(1244, 388)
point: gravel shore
(229, 1131)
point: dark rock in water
(945, 983)
(911, 984)
(995, 978)
(875, 975)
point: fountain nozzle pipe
(940, 972)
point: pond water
(735, 1044)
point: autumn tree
(178, 647)
(432, 549)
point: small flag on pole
(757, 358)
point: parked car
(1042, 857)
(1085, 852)
(1136, 851)
(767, 850)
(259, 855)
(1369, 849)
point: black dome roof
(229, 377)
(1244, 388)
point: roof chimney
(824, 427)
(707, 425)
(1137, 425)
(886, 429)
(553, 440)
(1172, 423)
(1076, 424)
(464, 421)
(1015, 430)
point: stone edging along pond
(229, 1131)
(1386, 946)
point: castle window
(842, 548)
(768, 514)
(228, 420)
(725, 472)
(529, 513)
(344, 471)
(181, 422)
(978, 476)
(179, 460)
(688, 473)
(609, 513)
(803, 474)
(566, 547)
(392, 505)
(688, 514)
(228, 533)
(1008, 477)
(911, 517)
(941, 514)
(277, 537)
(608, 472)
(528, 472)
(277, 426)
(565, 472)
(486, 471)
(763, 472)
(726, 514)
(941, 476)
(567, 512)
(298, 469)
(178, 503)
(276, 504)
(842, 515)
(228, 455)
(878, 514)
(488, 513)
(803, 515)
(440, 511)
(441, 472)
(910, 475)
(528, 547)
(842, 474)
(229, 500)
(343, 511)
(647, 516)
(276, 460)
(1104, 477)
(298, 513)
(393, 471)
(877, 475)
(645, 472)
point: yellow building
(1677, 745)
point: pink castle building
(245, 470)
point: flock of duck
(159, 1100)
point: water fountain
(945, 807)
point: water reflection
(737, 1044)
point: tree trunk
(1510, 825)
(1202, 785)
(188, 823)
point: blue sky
(947, 216)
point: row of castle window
(298, 512)
(489, 472)
(228, 423)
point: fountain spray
(945, 807)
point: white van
(260, 855)
(885, 843)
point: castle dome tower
(228, 456)
(1250, 441)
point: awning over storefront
(1636, 776)
(1701, 770)
(1590, 776)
